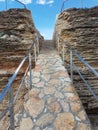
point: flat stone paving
(53, 103)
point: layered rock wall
(78, 28)
(17, 31)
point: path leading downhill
(53, 103)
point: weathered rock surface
(79, 29)
(34, 106)
(26, 124)
(17, 31)
(55, 104)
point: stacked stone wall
(78, 28)
(17, 31)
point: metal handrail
(8, 87)
(72, 52)
(5, 90)
(62, 8)
(16, 1)
(85, 62)
(86, 83)
(21, 3)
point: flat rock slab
(53, 103)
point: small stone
(82, 115)
(38, 62)
(54, 107)
(46, 77)
(59, 95)
(65, 106)
(49, 90)
(33, 92)
(58, 100)
(62, 68)
(51, 100)
(40, 84)
(34, 120)
(34, 106)
(82, 126)
(36, 74)
(68, 80)
(26, 97)
(46, 71)
(69, 89)
(49, 129)
(77, 118)
(60, 88)
(17, 118)
(26, 124)
(45, 110)
(64, 121)
(54, 82)
(59, 74)
(71, 97)
(75, 106)
(45, 120)
(35, 80)
(59, 62)
(25, 115)
(38, 68)
(37, 128)
(41, 95)
(5, 36)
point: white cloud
(44, 2)
(50, 2)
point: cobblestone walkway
(53, 103)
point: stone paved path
(52, 103)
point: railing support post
(63, 51)
(38, 44)
(30, 69)
(71, 65)
(35, 52)
(11, 111)
(58, 44)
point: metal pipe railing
(71, 65)
(72, 52)
(62, 8)
(5, 90)
(63, 51)
(58, 43)
(6, 4)
(85, 62)
(86, 83)
(21, 3)
(9, 89)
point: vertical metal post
(58, 43)
(11, 111)
(35, 52)
(38, 44)
(30, 69)
(63, 52)
(71, 65)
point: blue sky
(44, 11)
